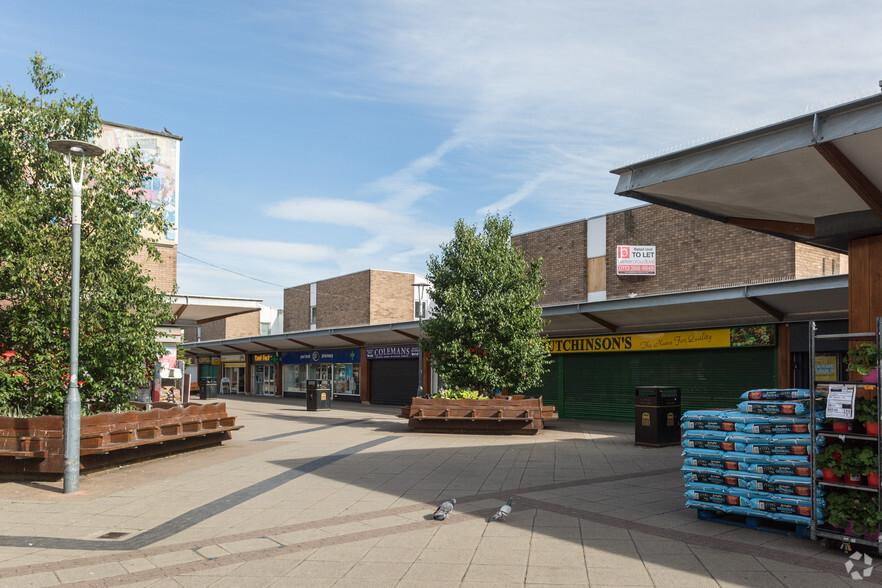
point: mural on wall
(163, 154)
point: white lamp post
(71, 423)
(420, 315)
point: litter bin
(657, 416)
(318, 395)
(207, 388)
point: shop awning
(365, 336)
(814, 179)
(793, 301)
(780, 302)
(202, 309)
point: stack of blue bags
(753, 460)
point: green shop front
(595, 377)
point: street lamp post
(71, 423)
(422, 311)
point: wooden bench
(492, 415)
(35, 445)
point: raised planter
(34, 447)
(498, 416)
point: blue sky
(326, 137)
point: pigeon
(503, 511)
(444, 509)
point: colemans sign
(763, 335)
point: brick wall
(813, 262)
(163, 273)
(234, 327)
(563, 250)
(295, 309)
(343, 301)
(391, 297)
(693, 253)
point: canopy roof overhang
(816, 178)
(792, 301)
(203, 309)
(779, 302)
(363, 336)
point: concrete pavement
(345, 498)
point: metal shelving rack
(830, 533)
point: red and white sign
(635, 260)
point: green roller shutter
(600, 386)
(550, 387)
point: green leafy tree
(486, 332)
(119, 309)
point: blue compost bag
(778, 468)
(775, 425)
(783, 485)
(699, 475)
(726, 508)
(706, 434)
(772, 407)
(718, 495)
(776, 394)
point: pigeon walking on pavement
(444, 509)
(503, 511)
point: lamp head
(72, 147)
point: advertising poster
(635, 260)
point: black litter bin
(207, 388)
(318, 395)
(657, 416)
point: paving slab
(345, 498)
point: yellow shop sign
(735, 337)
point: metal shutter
(394, 381)
(601, 386)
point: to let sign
(635, 260)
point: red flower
(837, 456)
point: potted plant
(854, 511)
(866, 412)
(853, 464)
(864, 359)
(839, 425)
(829, 459)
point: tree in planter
(119, 310)
(486, 332)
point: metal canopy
(202, 309)
(814, 179)
(793, 301)
(369, 335)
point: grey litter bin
(657, 416)
(318, 395)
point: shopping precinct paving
(345, 498)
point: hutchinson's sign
(763, 335)
(635, 260)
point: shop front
(264, 367)
(232, 379)
(341, 366)
(596, 377)
(394, 373)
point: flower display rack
(858, 489)
(33, 447)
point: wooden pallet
(757, 523)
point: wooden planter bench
(34, 447)
(522, 415)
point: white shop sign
(635, 260)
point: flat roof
(815, 178)
(204, 309)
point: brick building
(368, 297)
(692, 253)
